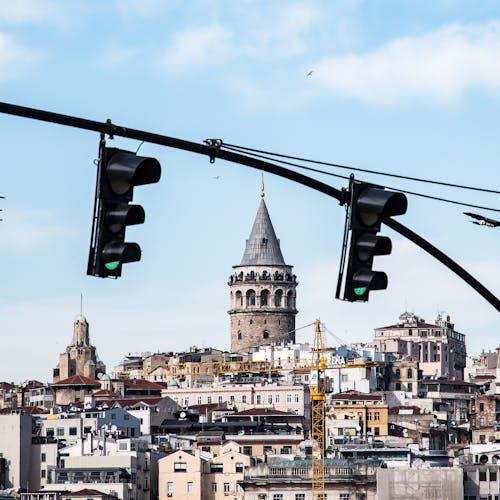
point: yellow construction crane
(318, 401)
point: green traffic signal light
(119, 172)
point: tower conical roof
(262, 248)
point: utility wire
(337, 165)
(325, 172)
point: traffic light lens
(111, 266)
(361, 290)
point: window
(270, 399)
(482, 475)
(398, 386)
(286, 450)
(247, 450)
(239, 467)
(226, 488)
(493, 476)
(186, 401)
(300, 496)
(344, 496)
(288, 398)
(265, 334)
(72, 431)
(277, 496)
(190, 487)
(244, 398)
(250, 298)
(123, 446)
(219, 399)
(481, 406)
(198, 400)
(44, 457)
(409, 373)
(50, 432)
(277, 298)
(60, 431)
(344, 377)
(376, 415)
(409, 386)
(216, 468)
(231, 399)
(296, 398)
(214, 488)
(170, 489)
(209, 399)
(264, 298)
(239, 335)
(259, 399)
(276, 398)
(44, 473)
(268, 449)
(180, 466)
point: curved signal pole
(213, 149)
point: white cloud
(441, 65)
(198, 47)
(14, 57)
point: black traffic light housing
(118, 172)
(369, 205)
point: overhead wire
(357, 169)
(249, 152)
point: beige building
(183, 475)
(438, 348)
(285, 397)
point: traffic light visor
(374, 204)
(125, 170)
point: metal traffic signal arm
(214, 150)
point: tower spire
(262, 193)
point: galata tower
(263, 292)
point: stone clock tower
(262, 290)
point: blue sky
(410, 87)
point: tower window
(265, 335)
(278, 297)
(250, 298)
(264, 298)
(239, 335)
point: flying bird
(481, 220)
(310, 73)
(216, 177)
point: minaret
(262, 290)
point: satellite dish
(182, 414)
(114, 428)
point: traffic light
(118, 172)
(369, 206)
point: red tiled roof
(31, 410)
(105, 392)
(6, 386)
(395, 409)
(85, 493)
(128, 402)
(77, 380)
(143, 384)
(355, 395)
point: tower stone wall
(262, 291)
